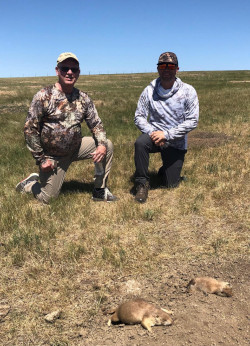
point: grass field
(67, 255)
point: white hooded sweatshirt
(175, 113)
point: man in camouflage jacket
(53, 135)
(167, 110)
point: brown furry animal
(140, 311)
(210, 285)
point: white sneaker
(32, 177)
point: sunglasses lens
(66, 69)
(162, 66)
(167, 66)
(171, 66)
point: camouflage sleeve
(94, 122)
(32, 128)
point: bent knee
(142, 141)
(46, 198)
(138, 143)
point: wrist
(102, 145)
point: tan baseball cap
(65, 56)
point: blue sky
(112, 36)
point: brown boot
(142, 192)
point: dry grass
(69, 255)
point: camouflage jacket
(53, 125)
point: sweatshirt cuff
(166, 134)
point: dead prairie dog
(210, 285)
(139, 311)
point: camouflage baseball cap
(168, 57)
(65, 56)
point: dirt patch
(199, 319)
(239, 81)
(100, 103)
(27, 82)
(207, 139)
(191, 74)
(7, 92)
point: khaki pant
(51, 182)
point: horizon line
(120, 73)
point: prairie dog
(140, 311)
(210, 285)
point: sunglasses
(167, 66)
(66, 69)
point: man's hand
(99, 154)
(47, 165)
(158, 138)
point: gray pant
(51, 182)
(172, 160)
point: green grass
(45, 251)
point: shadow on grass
(76, 186)
(155, 182)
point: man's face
(167, 71)
(68, 72)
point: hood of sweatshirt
(156, 93)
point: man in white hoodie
(166, 111)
